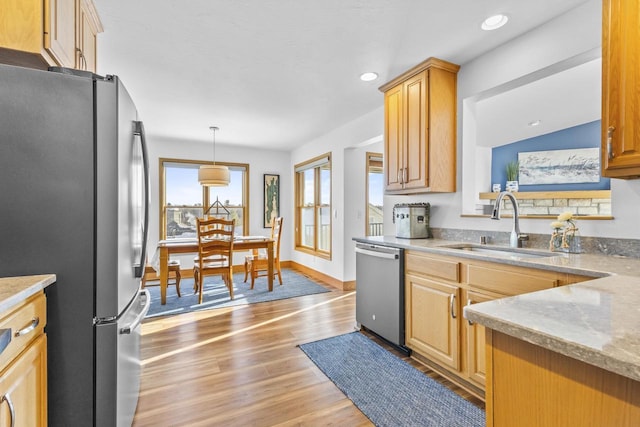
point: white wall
(260, 162)
(347, 183)
(355, 199)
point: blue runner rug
(216, 295)
(389, 391)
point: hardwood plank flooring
(240, 366)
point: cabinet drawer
(22, 318)
(434, 267)
(507, 282)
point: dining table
(190, 245)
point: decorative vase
(555, 244)
(567, 241)
(512, 186)
(572, 243)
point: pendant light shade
(213, 175)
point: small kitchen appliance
(412, 220)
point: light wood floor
(240, 366)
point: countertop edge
(14, 290)
(571, 349)
(558, 262)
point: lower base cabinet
(476, 348)
(436, 290)
(529, 386)
(23, 387)
(23, 365)
(431, 328)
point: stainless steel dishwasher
(380, 292)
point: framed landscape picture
(578, 165)
(271, 198)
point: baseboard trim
(315, 274)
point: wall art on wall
(271, 198)
(559, 166)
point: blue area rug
(389, 391)
(294, 284)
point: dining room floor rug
(389, 391)
(294, 284)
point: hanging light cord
(214, 129)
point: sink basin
(504, 252)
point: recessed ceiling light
(534, 123)
(367, 77)
(494, 22)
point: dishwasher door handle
(377, 254)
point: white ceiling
(559, 101)
(278, 73)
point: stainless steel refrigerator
(74, 191)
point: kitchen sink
(500, 251)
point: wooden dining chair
(257, 264)
(215, 252)
(174, 272)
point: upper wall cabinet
(420, 129)
(620, 88)
(39, 34)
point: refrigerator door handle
(139, 130)
(127, 329)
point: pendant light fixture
(213, 175)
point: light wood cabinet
(475, 340)
(23, 365)
(60, 31)
(43, 33)
(530, 386)
(432, 309)
(24, 384)
(87, 40)
(420, 129)
(436, 290)
(432, 317)
(620, 82)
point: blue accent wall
(581, 136)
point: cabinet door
(415, 162)
(432, 314)
(393, 151)
(60, 31)
(24, 385)
(88, 28)
(476, 346)
(621, 83)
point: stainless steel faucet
(516, 238)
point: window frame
(316, 164)
(206, 202)
(372, 157)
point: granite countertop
(597, 321)
(14, 290)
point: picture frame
(573, 166)
(271, 192)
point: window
(313, 206)
(375, 193)
(183, 199)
